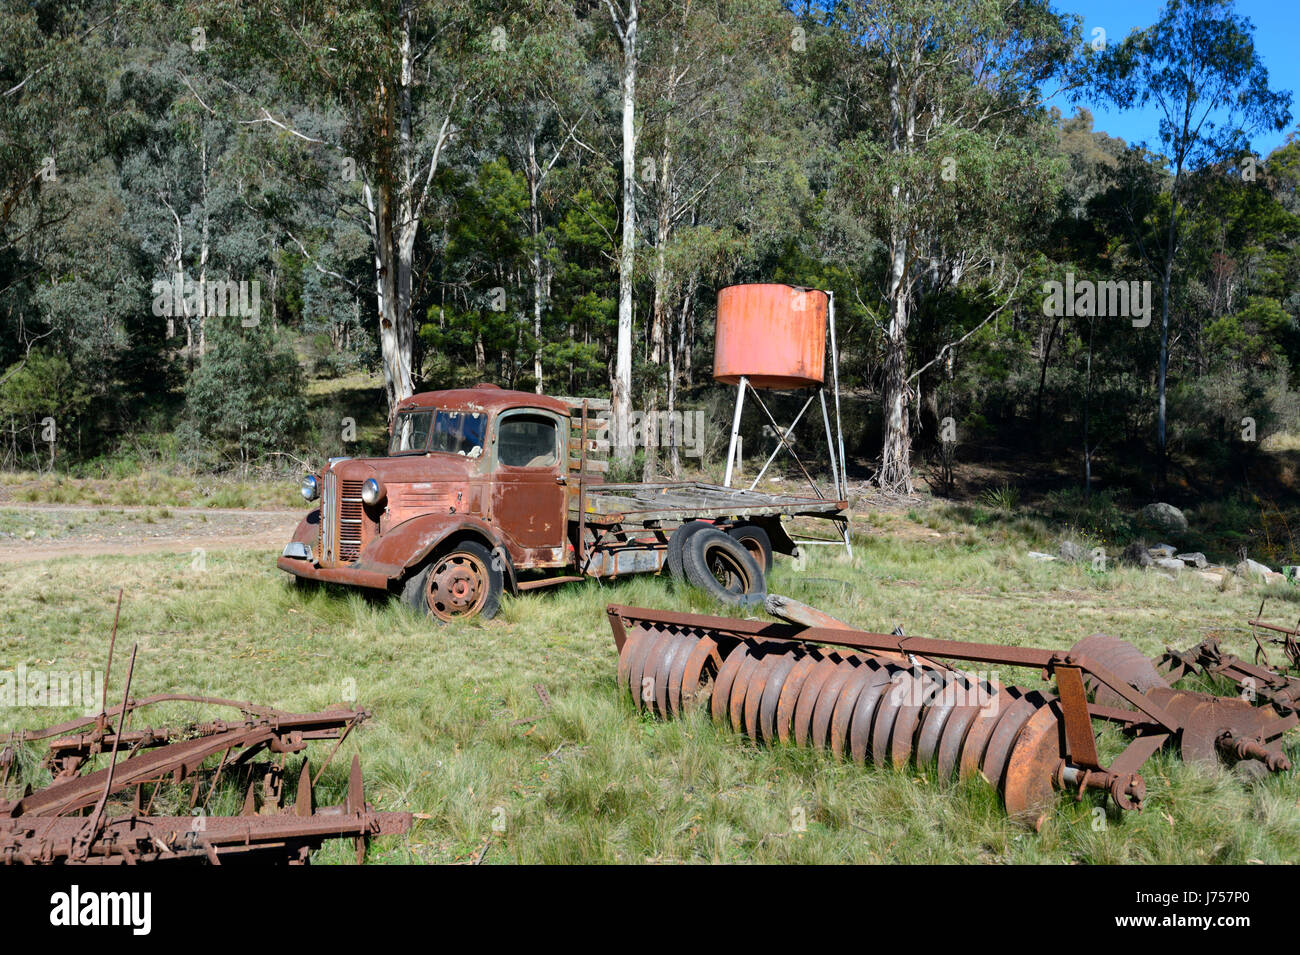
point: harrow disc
(769, 702)
(868, 674)
(1207, 718)
(903, 687)
(981, 728)
(809, 695)
(726, 679)
(1029, 789)
(864, 714)
(1122, 659)
(788, 701)
(827, 700)
(1005, 734)
(698, 674)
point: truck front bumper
(304, 566)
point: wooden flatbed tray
(613, 503)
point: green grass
(591, 780)
(151, 487)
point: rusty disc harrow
(894, 700)
(855, 705)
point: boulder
(1162, 550)
(1251, 568)
(1039, 555)
(1165, 516)
(1136, 555)
(1072, 552)
(1170, 563)
(1195, 559)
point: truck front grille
(329, 518)
(350, 518)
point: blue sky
(1276, 34)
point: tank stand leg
(735, 429)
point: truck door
(529, 496)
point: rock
(1165, 516)
(1251, 568)
(1072, 552)
(1162, 550)
(1170, 563)
(1195, 559)
(1210, 577)
(1136, 555)
(1039, 555)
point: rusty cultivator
(48, 826)
(67, 820)
(890, 699)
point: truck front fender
(308, 529)
(407, 545)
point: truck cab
(479, 474)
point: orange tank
(774, 335)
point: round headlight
(372, 492)
(310, 488)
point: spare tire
(676, 541)
(716, 563)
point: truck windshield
(451, 432)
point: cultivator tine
(303, 805)
(893, 700)
(356, 806)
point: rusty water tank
(774, 335)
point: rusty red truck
(484, 491)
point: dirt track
(48, 532)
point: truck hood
(410, 469)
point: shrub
(244, 400)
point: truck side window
(527, 441)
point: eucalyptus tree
(712, 86)
(1198, 67)
(542, 110)
(626, 17)
(390, 87)
(56, 66)
(940, 156)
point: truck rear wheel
(462, 583)
(755, 540)
(716, 563)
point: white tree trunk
(621, 385)
(394, 207)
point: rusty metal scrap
(1287, 639)
(890, 699)
(288, 836)
(37, 827)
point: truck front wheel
(461, 583)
